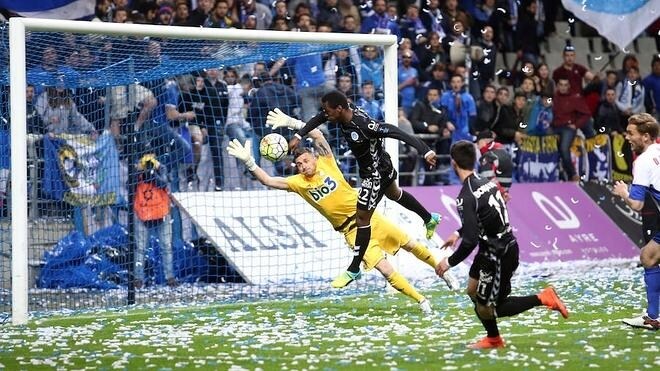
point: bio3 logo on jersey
(318, 193)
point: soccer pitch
(374, 331)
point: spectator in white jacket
(630, 94)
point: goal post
(19, 31)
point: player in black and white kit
(364, 136)
(485, 222)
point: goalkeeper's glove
(278, 119)
(236, 149)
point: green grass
(376, 331)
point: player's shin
(517, 304)
(490, 325)
(401, 284)
(652, 280)
(409, 202)
(362, 237)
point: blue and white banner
(620, 21)
(54, 9)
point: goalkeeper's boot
(432, 224)
(345, 278)
(488, 343)
(643, 321)
(451, 281)
(550, 299)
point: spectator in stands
(495, 162)
(346, 85)
(328, 13)
(280, 23)
(412, 27)
(262, 14)
(121, 15)
(438, 79)
(342, 63)
(165, 15)
(520, 111)
(486, 110)
(571, 71)
(652, 86)
(49, 69)
(528, 34)
(181, 14)
(280, 9)
(152, 211)
(542, 80)
(608, 115)
(380, 21)
(405, 47)
(527, 69)
(102, 11)
(368, 102)
(432, 54)
(60, 115)
(432, 18)
(528, 88)
(570, 114)
(236, 127)
(34, 123)
(461, 109)
(349, 25)
(486, 65)
(628, 61)
(371, 66)
(408, 81)
(219, 17)
(630, 94)
(348, 8)
(310, 79)
(201, 13)
(505, 125)
(451, 13)
(540, 115)
(429, 118)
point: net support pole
(19, 217)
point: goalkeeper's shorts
(386, 237)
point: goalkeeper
(320, 182)
(364, 136)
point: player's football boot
(432, 224)
(451, 281)
(345, 278)
(643, 321)
(550, 299)
(425, 306)
(488, 343)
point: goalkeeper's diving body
(320, 182)
(364, 136)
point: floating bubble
(501, 10)
(487, 60)
(535, 244)
(554, 244)
(334, 10)
(487, 51)
(526, 69)
(632, 83)
(522, 125)
(571, 20)
(457, 27)
(499, 72)
(475, 73)
(548, 227)
(598, 58)
(602, 129)
(574, 200)
(483, 30)
(549, 100)
(620, 154)
(622, 17)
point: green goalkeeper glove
(278, 119)
(241, 152)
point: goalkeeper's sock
(490, 325)
(401, 284)
(423, 253)
(652, 280)
(409, 202)
(517, 304)
(362, 237)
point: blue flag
(53, 9)
(620, 21)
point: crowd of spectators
(450, 87)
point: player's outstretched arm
(320, 143)
(242, 153)
(384, 130)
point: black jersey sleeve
(467, 208)
(383, 130)
(312, 124)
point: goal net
(119, 189)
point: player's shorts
(373, 188)
(656, 237)
(494, 273)
(386, 237)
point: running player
(364, 136)
(320, 182)
(641, 133)
(485, 221)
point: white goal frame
(18, 27)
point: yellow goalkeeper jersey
(327, 191)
